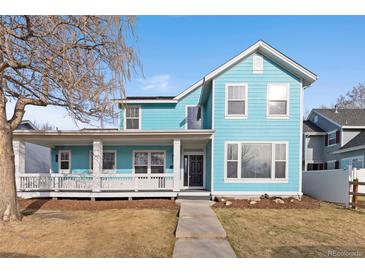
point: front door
(193, 171)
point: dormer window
(258, 64)
(132, 117)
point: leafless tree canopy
(77, 62)
(353, 99)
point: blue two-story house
(236, 132)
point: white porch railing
(89, 182)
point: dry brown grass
(295, 232)
(107, 233)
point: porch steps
(194, 195)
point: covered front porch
(112, 164)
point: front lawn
(125, 232)
(330, 231)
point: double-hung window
(65, 161)
(278, 100)
(236, 100)
(149, 162)
(255, 161)
(109, 160)
(332, 138)
(132, 117)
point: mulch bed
(289, 203)
(73, 204)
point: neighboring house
(237, 131)
(334, 138)
(37, 158)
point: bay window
(246, 161)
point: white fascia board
(190, 89)
(265, 48)
(349, 149)
(172, 101)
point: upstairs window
(236, 100)
(257, 64)
(278, 97)
(194, 120)
(332, 138)
(132, 117)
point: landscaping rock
(228, 203)
(279, 201)
(252, 202)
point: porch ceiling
(52, 138)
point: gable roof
(310, 127)
(358, 140)
(346, 118)
(278, 57)
(307, 76)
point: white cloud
(156, 83)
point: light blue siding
(80, 157)
(257, 127)
(166, 116)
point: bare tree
(355, 98)
(80, 63)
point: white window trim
(277, 116)
(253, 64)
(139, 118)
(186, 116)
(149, 162)
(328, 134)
(115, 162)
(235, 116)
(256, 180)
(65, 171)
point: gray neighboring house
(333, 139)
(37, 158)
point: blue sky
(177, 51)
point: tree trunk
(9, 210)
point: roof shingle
(309, 126)
(344, 117)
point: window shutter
(337, 165)
(325, 166)
(326, 140)
(338, 137)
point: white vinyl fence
(331, 185)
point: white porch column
(19, 159)
(177, 166)
(97, 164)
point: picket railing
(89, 182)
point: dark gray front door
(193, 170)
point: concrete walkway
(199, 233)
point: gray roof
(344, 117)
(309, 126)
(358, 140)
